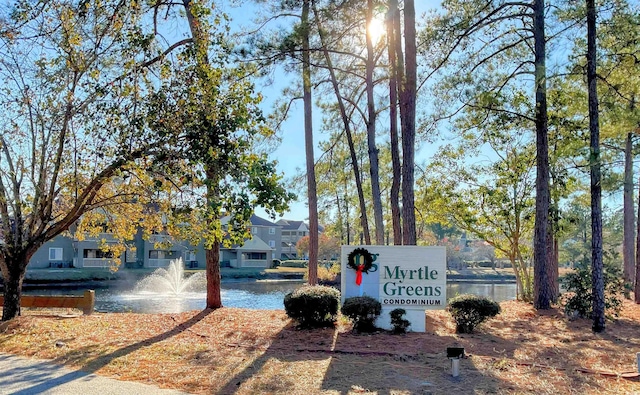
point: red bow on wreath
(361, 261)
(359, 274)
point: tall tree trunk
(636, 289)
(628, 248)
(408, 121)
(13, 267)
(308, 142)
(376, 197)
(12, 277)
(597, 275)
(212, 257)
(393, 123)
(212, 252)
(541, 288)
(347, 129)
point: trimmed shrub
(363, 311)
(400, 324)
(313, 306)
(578, 301)
(469, 311)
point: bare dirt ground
(237, 351)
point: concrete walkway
(24, 376)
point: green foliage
(469, 311)
(400, 324)
(219, 116)
(498, 208)
(363, 311)
(313, 306)
(578, 301)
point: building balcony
(97, 262)
(108, 237)
(153, 262)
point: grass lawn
(237, 351)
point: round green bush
(363, 311)
(313, 306)
(469, 311)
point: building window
(272, 243)
(254, 230)
(272, 231)
(257, 255)
(55, 254)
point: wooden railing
(85, 302)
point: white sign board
(409, 277)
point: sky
(290, 154)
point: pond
(265, 295)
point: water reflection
(496, 292)
(262, 295)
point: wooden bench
(85, 302)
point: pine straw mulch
(238, 351)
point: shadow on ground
(91, 364)
(235, 351)
(341, 363)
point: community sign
(408, 277)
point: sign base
(418, 319)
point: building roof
(255, 220)
(254, 244)
(288, 224)
(258, 221)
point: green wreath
(368, 260)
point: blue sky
(290, 153)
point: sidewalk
(24, 376)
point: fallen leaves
(260, 351)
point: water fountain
(172, 281)
(166, 290)
(169, 290)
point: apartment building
(68, 252)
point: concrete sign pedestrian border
(409, 277)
